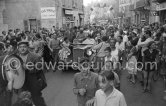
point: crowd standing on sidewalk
(139, 50)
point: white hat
(164, 34)
(134, 31)
(125, 32)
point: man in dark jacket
(34, 76)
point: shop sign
(68, 12)
(48, 13)
(161, 6)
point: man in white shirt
(107, 95)
(125, 37)
(120, 44)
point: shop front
(68, 19)
(161, 8)
(142, 12)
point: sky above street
(86, 2)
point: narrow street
(59, 91)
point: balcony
(159, 1)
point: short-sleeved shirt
(120, 46)
(116, 98)
(115, 55)
(116, 80)
(90, 84)
(55, 44)
(150, 56)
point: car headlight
(89, 52)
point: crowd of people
(138, 50)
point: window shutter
(26, 25)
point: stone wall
(3, 27)
(19, 10)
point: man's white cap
(125, 32)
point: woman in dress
(132, 58)
(65, 51)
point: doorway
(33, 24)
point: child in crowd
(108, 54)
(85, 83)
(109, 57)
(112, 97)
(24, 99)
(65, 51)
(131, 65)
(107, 95)
(109, 67)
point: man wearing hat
(81, 35)
(34, 76)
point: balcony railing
(160, 1)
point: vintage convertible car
(78, 51)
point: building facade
(3, 26)
(34, 14)
(161, 8)
(145, 12)
(101, 12)
(124, 9)
(72, 13)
